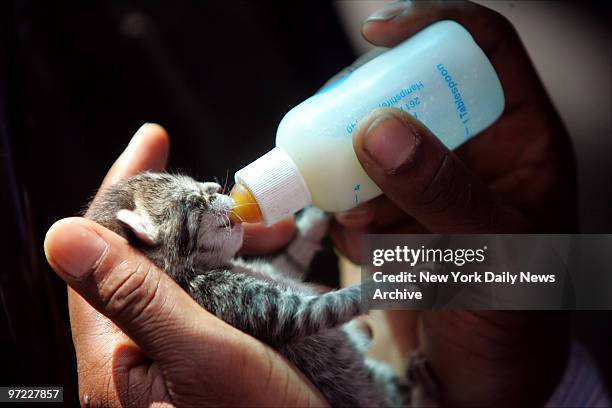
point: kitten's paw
(313, 223)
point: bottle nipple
(246, 208)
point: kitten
(183, 226)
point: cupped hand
(517, 176)
(140, 340)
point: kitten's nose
(222, 203)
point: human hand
(140, 340)
(516, 176)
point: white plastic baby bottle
(440, 76)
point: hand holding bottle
(439, 75)
(516, 176)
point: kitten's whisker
(231, 186)
(226, 178)
(244, 204)
(239, 217)
(227, 223)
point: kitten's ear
(140, 225)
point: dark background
(77, 80)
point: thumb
(185, 340)
(125, 286)
(425, 179)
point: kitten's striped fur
(183, 227)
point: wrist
(495, 358)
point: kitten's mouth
(228, 224)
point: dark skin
(520, 178)
(139, 338)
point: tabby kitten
(183, 226)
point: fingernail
(390, 11)
(389, 142)
(74, 248)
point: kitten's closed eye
(210, 187)
(184, 227)
(173, 217)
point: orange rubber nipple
(245, 207)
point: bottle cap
(276, 184)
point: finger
(426, 180)
(262, 240)
(397, 21)
(95, 337)
(148, 150)
(358, 217)
(96, 340)
(347, 241)
(165, 322)
(377, 215)
(125, 286)
(388, 214)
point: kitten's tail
(300, 316)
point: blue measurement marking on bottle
(356, 190)
(461, 107)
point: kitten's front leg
(271, 313)
(312, 226)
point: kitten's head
(181, 224)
